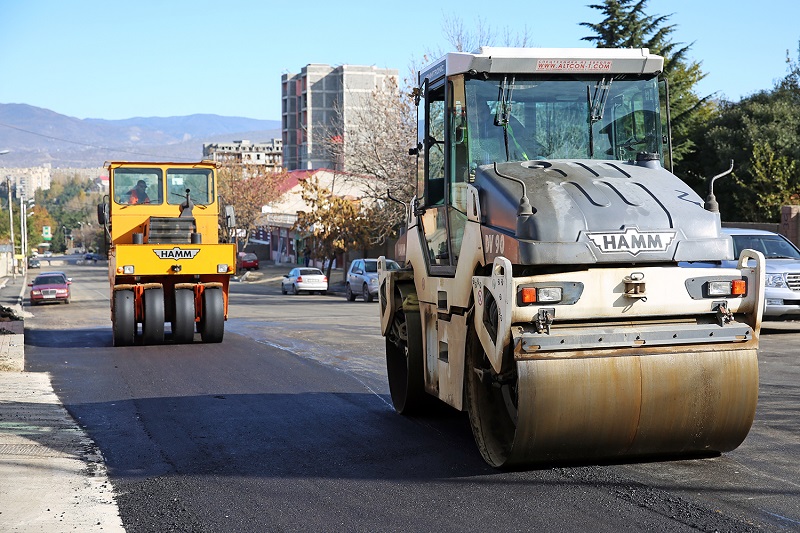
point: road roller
(559, 283)
(166, 264)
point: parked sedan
(50, 287)
(304, 279)
(782, 291)
(362, 278)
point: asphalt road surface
(287, 426)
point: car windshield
(772, 246)
(49, 280)
(249, 257)
(310, 272)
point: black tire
(283, 289)
(294, 290)
(183, 324)
(212, 316)
(366, 294)
(153, 319)
(491, 404)
(124, 323)
(404, 364)
(349, 294)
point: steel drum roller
(626, 406)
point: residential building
(318, 102)
(244, 152)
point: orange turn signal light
(738, 287)
(528, 295)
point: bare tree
(372, 147)
(464, 39)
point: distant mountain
(35, 136)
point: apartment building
(319, 101)
(244, 152)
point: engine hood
(590, 211)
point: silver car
(362, 278)
(304, 279)
(782, 291)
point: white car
(304, 279)
(782, 291)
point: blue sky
(116, 59)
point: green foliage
(761, 134)
(775, 180)
(70, 204)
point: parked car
(50, 287)
(304, 279)
(33, 263)
(782, 291)
(247, 261)
(362, 278)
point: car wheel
(294, 290)
(349, 293)
(366, 294)
(66, 301)
(283, 288)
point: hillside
(35, 136)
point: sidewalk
(52, 476)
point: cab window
(197, 181)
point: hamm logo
(632, 241)
(177, 253)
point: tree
(775, 180)
(463, 39)
(373, 151)
(248, 188)
(761, 134)
(336, 224)
(626, 26)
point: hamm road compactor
(165, 261)
(550, 284)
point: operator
(138, 195)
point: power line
(121, 150)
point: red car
(50, 287)
(248, 261)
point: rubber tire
(349, 294)
(124, 323)
(405, 369)
(153, 319)
(183, 324)
(212, 316)
(366, 294)
(493, 427)
(294, 290)
(283, 289)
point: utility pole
(23, 233)
(11, 225)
